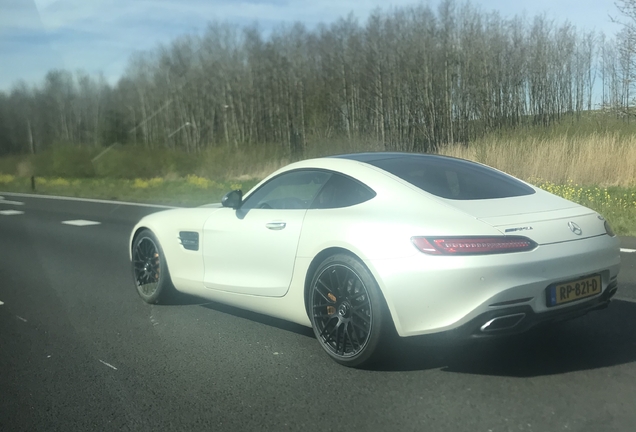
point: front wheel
(347, 310)
(150, 270)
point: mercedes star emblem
(575, 228)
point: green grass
(616, 204)
(190, 191)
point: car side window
(342, 191)
(290, 190)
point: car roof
(376, 156)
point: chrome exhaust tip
(505, 322)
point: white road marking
(20, 318)
(1, 303)
(10, 212)
(3, 201)
(56, 197)
(628, 250)
(80, 222)
(109, 365)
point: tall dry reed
(595, 159)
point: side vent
(189, 240)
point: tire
(347, 311)
(150, 270)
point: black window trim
(348, 177)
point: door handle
(276, 226)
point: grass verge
(189, 191)
(617, 204)
(591, 162)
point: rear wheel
(150, 271)
(347, 310)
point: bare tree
(411, 79)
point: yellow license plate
(566, 292)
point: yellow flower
(201, 182)
(59, 182)
(153, 182)
(141, 184)
(6, 178)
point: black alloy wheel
(346, 310)
(150, 271)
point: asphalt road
(80, 351)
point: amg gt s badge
(525, 228)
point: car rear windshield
(453, 178)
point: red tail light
(472, 245)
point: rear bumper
(515, 320)
(437, 294)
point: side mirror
(233, 199)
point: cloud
(100, 35)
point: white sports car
(359, 244)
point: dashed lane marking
(628, 250)
(4, 201)
(1, 303)
(80, 222)
(10, 212)
(107, 364)
(21, 319)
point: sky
(98, 36)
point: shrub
(138, 162)
(64, 161)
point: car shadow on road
(600, 339)
(257, 317)
(181, 299)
